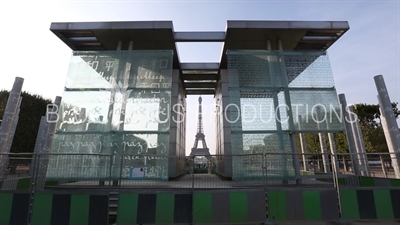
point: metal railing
(21, 171)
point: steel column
(349, 133)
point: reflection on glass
(278, 165)
(110, 95)
(316, 110)
(84, 110)
(309, 71)
(268, 90)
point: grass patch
(24, 184)
(50, 183)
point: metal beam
(200, 85)
(200, 92)
(199, 76)
(82, 39)
(199, 66)
(328, 25)
(199, 36)
(319, 38)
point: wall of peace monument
(115, 102)
(124, 103)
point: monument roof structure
(238, 35)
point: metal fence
(26, 171)
(15, 171)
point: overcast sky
(372, 45)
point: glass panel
(98, 152)
(255, 110)
(278, 165)
(150, 69)
(93, 69)
(316, 110)
(147, 110)
(147, 153)
(94, 163)
(257, 93)
(119, 69)
(108, 95)
(309, 71)
(153, 167)
(85, 111)
(250, 69)
(76, 167)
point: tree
(341, 142)
(32, 108)
(313, 144)
(369, 115)
(371, 126)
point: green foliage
(341, 142)
(313, 144)
(33, 107)
(24, 184)
(369, 115)
(371, 128)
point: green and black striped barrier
(247, 206)
(14, 208)
(200, 208)
(161, 208)
(378, 204)
(69, 209)
(303, 204)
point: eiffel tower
(200, 137)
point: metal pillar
(322, 142)
(383, 165)
(296, 163)
(359, 143)
(51, 117)
(363, 150)
(126, 94)
(332, 146)
(40, 139)
(14, 126)
(324, 151)
(390, 127)
(294, 155)
(43, 159)
(9, 114)
(349, 133)
(8, 123)
(303, 146)
(392, 155)
(117, 155)
(289, 112)
(277, 119)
